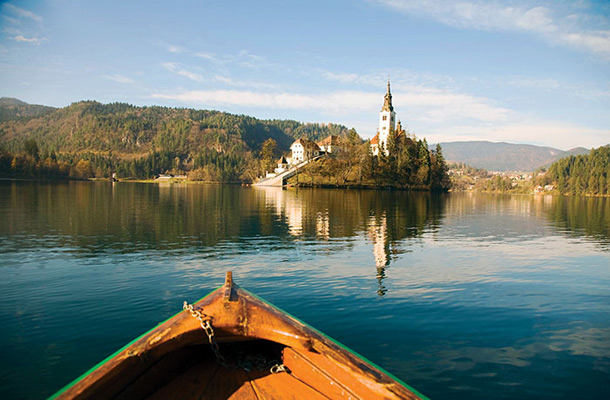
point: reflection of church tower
(323, 225)
(378, 233)
(387, 118)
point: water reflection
(477, 296)
(378, 234)
(386, 219)
(101, 217)
(486, 217)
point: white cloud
(243, 58)
(444, 105)
(207, 56)
(21, 38)
(336, 102)
(571, 30)
(528, 82)
(175, 68)
(352, 78)
(249, 84)
(119, 78)
(423, 104)
(561, 87)
(27, 27)
(10, 20)
(597, 42)
(23, 13)
(175, 49)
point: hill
(123, 128)
(14, 109)
(587, 174)
(139, 142)
(505, 156)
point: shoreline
(298, 185)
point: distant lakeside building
(305, 149)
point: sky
(535, 72)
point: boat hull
(175, 360)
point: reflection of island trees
(331, 213)
(386, 218)
(103, 215)
(127, 217)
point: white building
(282, 165)
(304, 149)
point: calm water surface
(461, 296)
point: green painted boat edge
(341, 345)
(105, 360)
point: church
(387, 126)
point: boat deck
(194, 373)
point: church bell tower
(387, 119)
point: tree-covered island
(92, 140)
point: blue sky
(517, 71)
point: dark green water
(461, 296)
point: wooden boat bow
(314, 363)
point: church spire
(387, 101)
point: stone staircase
(280, 179)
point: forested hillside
(139, 142)
(585, 174)
(16, 109)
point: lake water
(463, 296)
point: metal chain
(277, 368)
(204, 321)
(245, 364)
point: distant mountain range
(505, 156)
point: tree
(83, 170)
(423, 172)
(353, 138)
(30, 146)
(268, 154)
(439, 180)
(369, 164)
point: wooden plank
(229, 384)
(282, 386)
(304, 370)
(163, 372)
(190, 384)
(319, 371)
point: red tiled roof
(306, 143)
(330, 140)
(375, 139)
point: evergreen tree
(30, 146)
